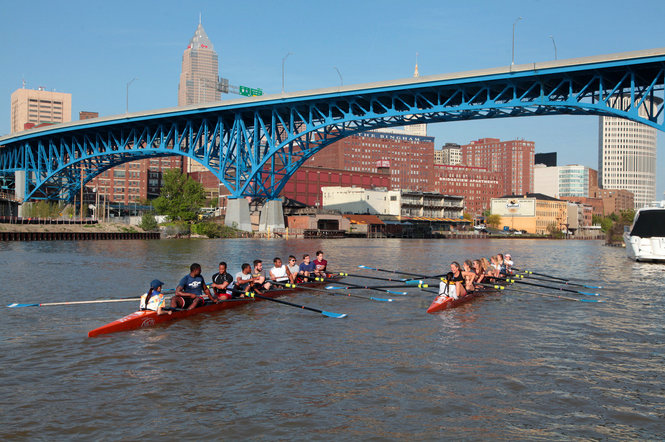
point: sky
(92, 49)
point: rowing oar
(304, 307)
(417, 275)
(558, 282)
(519, 281)
(567, 281)
(97, 301)
(373, 277)
(289, 285)
(500, 287)
(348, 286)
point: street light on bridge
(127, 101)
(514, 24)
(284, 61)
(341, 80)
(554, 43)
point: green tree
(467, 216)
(493, 220)
(180, 198)
(148, 222)
(554, 231)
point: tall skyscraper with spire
(416, 129)
(200, 71)
(198, 78)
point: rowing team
(466, 279)
(190, 290)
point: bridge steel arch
(253, 146)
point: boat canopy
(649, 224)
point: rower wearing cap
(154, 299)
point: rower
(469, 275)
(320, 264)
(243, 279)
(508, 262)
(480, 272)
(259, 277)
(501, 265)
(280, 272)
(189, 293)
(306, 268)
(221, 281)
(294, 269)
(154, 300)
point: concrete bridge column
(237, 214)
(272, 216)
(19, 189)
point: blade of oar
(519, 281)
(567, 281)
(574, 284)
(500, 287)
(96, 301)
(304, 307)
(348, 285)
(289, 285)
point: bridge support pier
(19, 190)
(237, 214)
(272, 216)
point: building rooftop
(538, 196)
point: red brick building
(476, 184)
(410, 158)
(134, 181)
(305, 185)
(513, 159)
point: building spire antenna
(199, 17)
(415, 72)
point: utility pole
(283, 62)
(514, 24)
(127, 100)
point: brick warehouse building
(410, 158)
(476, 184)
(513, 159)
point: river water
(506, 366)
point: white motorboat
(645, 240)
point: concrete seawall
(75, 236)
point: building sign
(513, 206)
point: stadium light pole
(283, 62)
(514, 24)
(554, 43)
(127, 97)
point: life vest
(156, 300)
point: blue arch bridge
(254, 145)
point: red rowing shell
(148, 318)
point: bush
(214, 230)
(148, 222)
(176, 228)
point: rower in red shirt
(320, 264)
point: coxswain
(221, 282)
(457, 279)
(154, 300)
(306, 268)
(189, 293)
(320, 264)
(279, 272)
(294, 269)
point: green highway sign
(249, 92)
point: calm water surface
(508, 366)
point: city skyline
(113, 47)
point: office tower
(548, 159)
(627, 155)
(513, 159)
(450, 154)
(32, 108)
(198, 78)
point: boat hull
(148, 318)
(443, 302)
